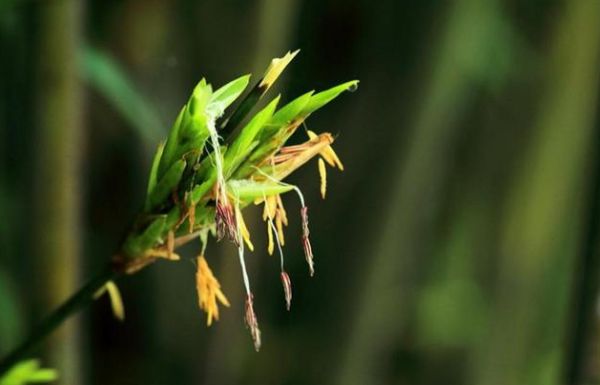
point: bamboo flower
(200, 181)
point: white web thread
(214, 138)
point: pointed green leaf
(190, 129)
(154, 169)
(166, 185)
(224, 96)
(27, 372)
(43, 375)
(322, 98)
(171, 144)
(240, 148)
(249, 190)
(291, 110)
(136, 244)
(275, 70)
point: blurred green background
(458, 247)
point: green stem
(84, 296)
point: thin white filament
(241, 247)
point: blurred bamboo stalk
(543, 212)
(275, 21)
(581, 328)
(57, 183)
(399, 242)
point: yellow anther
(323, 176)
(209, 291)
(116, 302)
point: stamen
(304, 215)
(279, 244)
(306, 241)
(287, 289)
(285, 279)
(242, 261)
(270, 246)
(281, 209)
(209, 291)
(323, 175)
(327, 152)
(116, 302)
(244, 231)
(226, 221)
(252, 322)
(279, 226)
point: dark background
(457, 248)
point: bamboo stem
(587, 283)
(77, 301)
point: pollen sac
(252, 322)
(287, 289)
(225, 221)
(308, 254)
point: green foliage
(151, 235)
(10, 317)
(248, 190)
(322, 98)
(167, 184)
(28, 372)
(242, 145)
(224, 96)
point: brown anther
(225, 221)
(308, 254)
(287, 289)
(252, 322)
